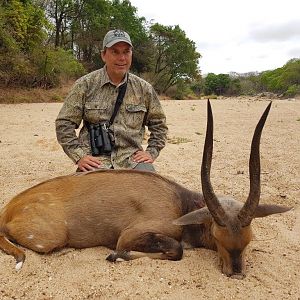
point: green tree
(25, 59)
(88, 31)
(234, 88)
(23, 28)
(25, 23)
(175, 59)
(124, 16)
(61, 12)
(93, 19)
(223, 84)
(210, 84)
(250, 83)
(282, 79)
(218, 84)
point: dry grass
(178, 140)
(36, 95)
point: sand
(29, 154)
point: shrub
(54, 66)
(292, 91)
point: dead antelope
(136, 213)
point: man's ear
(102, 54)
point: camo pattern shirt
(92, 99)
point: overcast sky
(233, 35)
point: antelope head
(229, 221)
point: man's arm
(156, 123)
(69, 119)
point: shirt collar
(106, 80)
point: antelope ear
(264, 210)
(198, 216)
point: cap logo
(119, 33)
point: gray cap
(116, 36)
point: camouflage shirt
(92, 99)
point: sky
(233, 35)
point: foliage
(22, 30)
(181, 90)
(124, 16)
(25, 23)
(250, 83)
(88, 30)
(216, 84)
(81, 25)
(175, 58)
(234, 87)
(54, 66)
(196, 86)
(292, 91)
(285, 80)
(24, 58)
(44, 42)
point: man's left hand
(142, 156)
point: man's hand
(89, 163)
(142, 156)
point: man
(92, 100)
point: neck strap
(121, 94)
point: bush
(292, 91)
(180, 91)
(55, 66)
(211, 96)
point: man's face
(118, 59)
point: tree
(93, 19)
(281, 79)
(234, 88)
(88, 31)
(22, 29)
(61, 12)
(175, 59)
(216, 84)
(124, 16)
(210, 84)
(25, 59)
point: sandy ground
(30, 154)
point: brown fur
(97, 208)
(137, 213)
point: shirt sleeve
(156, 123)
(69, 119)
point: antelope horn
(211, 199)
(247, 212)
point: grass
(178, 140)
(36, 95)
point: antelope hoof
(19, 266)
(118, 256)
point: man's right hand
(88, 163)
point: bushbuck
(136, 213)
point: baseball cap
(115, 36)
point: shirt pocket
(135, 114)
(95, 112)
